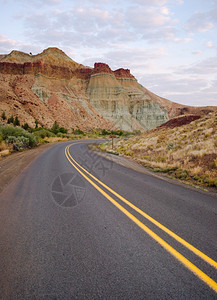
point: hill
(184, 147)
(51, 86)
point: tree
(63, 130)
(16, 121)
(3, 116)
(25, 126)
(55, 127)
(36, 123)
(11, 120)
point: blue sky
(170, 46)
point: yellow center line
(162, 227)
(205, 278)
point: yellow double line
(210, 282)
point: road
(75, 225)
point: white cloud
(7, 45)
(201, 22)
(187, 90)
(209, 44)
(165, 11)
(207, 66)
(142, 18)
(135, 59)
(39, 3)
(197, 52)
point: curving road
(75, 225)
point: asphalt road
(66, 235)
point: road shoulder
(11, 166)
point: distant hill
(51, 86)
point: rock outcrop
(50, 86)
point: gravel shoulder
(12, 165)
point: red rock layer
(34, 68)
(180, 121)
(123, 73)
(101, 68)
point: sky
(170, 46)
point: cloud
(197, 52)
(153, 24)
(209, 44)
(7, 45)
(186, 90)
(201, 22)
(136, 59)
(39, 3)
(207, 66)
(142, 18)
(151, 2)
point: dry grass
(188, 152)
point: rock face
(50, 86)
(119, 98)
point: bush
(42, 133)
(77, 131)
(26, 126)
(11, 131)
(11, 120)
(3, 116)
(63, 130)
(19, 142)
(11, 139)
(24, 141)
(16, 121)
(170, 146)
(105, 132)
(60, 134)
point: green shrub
(212, 182)
(11, 131)
(161, 158)
(26, 126)
(181, 174)
(42, 133)
(170, 146)
(63, 130)
(105, 132)
(20, 142)
(24, 141)
(60, 134)
(77, 131)
(11, 139)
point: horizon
(168, 45)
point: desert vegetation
(188, 152)
(17, 137)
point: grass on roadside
(187, 153)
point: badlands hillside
(50, 86)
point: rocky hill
(50, 86)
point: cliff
(51, 86)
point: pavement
(76, 225)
